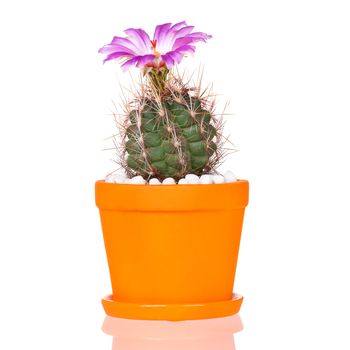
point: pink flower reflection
(210, 334)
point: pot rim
(169, 185)
(160, 198)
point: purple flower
(169, 45)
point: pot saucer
(172, 312)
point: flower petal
(115, 48)
(165, 34)
(182, 41)
(200, 36)
(190, 38)
(160, 31)
(176, 56)
(115, 55)
(169, 61)
(185, 49)
(143, 60)
(172, 31)
(139, 61)
(183, 32)
(177, 26)
(125, 66)
(140, 39)
(124, 42)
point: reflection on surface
(211, 334)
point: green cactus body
(170, 137)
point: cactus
(170, 134)
(169, 128)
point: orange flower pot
(172, 249)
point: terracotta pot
(172, 249)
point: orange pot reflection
(210, 334)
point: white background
(285, 66)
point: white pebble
(154, 181)
(218, 179)
(109, 178)
(114, 179)
(168, 181)
(117, 177)
(182, 182)
(138, 180)
(206, 179)
(192, 179)
(230, 176)
(121, 173)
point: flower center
(154, 43)
(154, 46)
